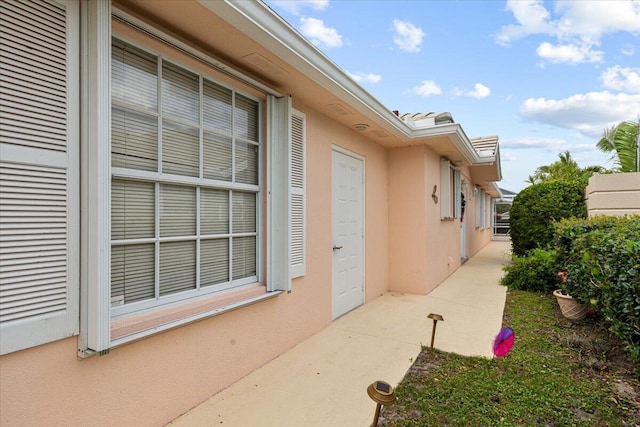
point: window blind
(179, 222)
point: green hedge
(601, 256)
(537, 271)
(535, 209)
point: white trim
(278, 193)
(96, 161)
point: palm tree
(565, 169)
(622, 142)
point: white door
(347, 211)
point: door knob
(335, 248)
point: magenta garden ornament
(503, 342)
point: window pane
(244, 257)
(217, 107)
(246, 163)
(244, 212)
(177, 267)
(214, 262)
(133, 76)
(246, 118)
(133, 272)
(180, 149)
(214, 211)
(177, 210)
(217, 157)
(134, 140)
(132, 209)
(180, 93)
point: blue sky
(544, 76)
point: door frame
(362, 159)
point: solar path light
(382, 393)
(435, 318)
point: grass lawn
(559, 373)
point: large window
(185, 182)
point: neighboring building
(189, 189)
(614, 194)
(502, 215)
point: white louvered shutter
(457, 193)
(39, 179)
(298, 243)
(445, 188)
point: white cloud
(507, 156)
(576, 25)
(532, 18)
(625, 79)
(408, 37)
(296, 6)
(588, 113)
(628, 50)
(366, 78)
(319, 34)
(427, 88)
(479, 91)
(595, 18)
(528, 142)
(571, 53)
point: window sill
(142, 325)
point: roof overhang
(249, 37)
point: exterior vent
(264, 65)
(339, 109)
(380, 133)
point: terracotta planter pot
(570, 308)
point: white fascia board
(456, 134)
(494, 190)
(256, 20)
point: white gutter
(259, 22)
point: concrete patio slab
(323, 380)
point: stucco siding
(614, 194)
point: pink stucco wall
(423, 249)
(154, 380)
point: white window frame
(96, 174)
(190, 182)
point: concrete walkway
(323, 380)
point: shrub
(536, 271)
(602, 259)
(535, 209)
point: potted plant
(570, 308)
